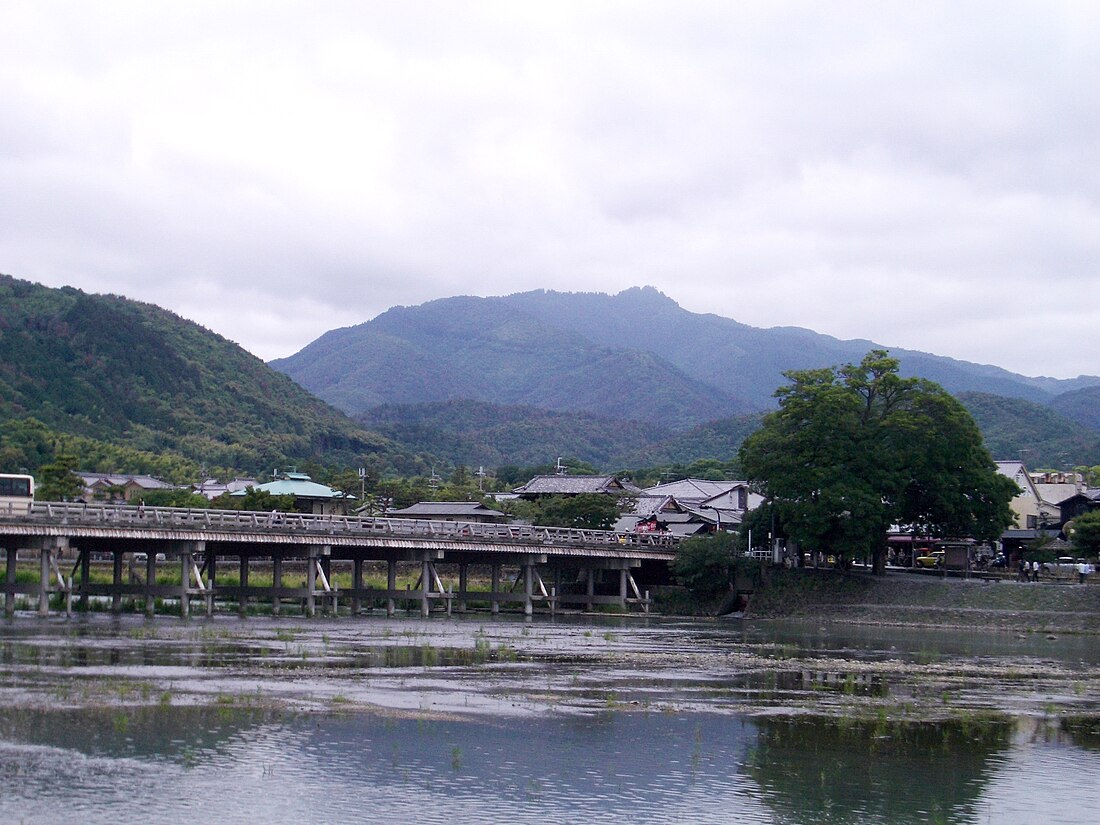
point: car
(933, 559)
(142, 557)
(1062, 566)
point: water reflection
(837, 770)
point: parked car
(933, 559)
(142, 557)
(1062, 566)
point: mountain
(1080, 405)
(1039, 435)
(476, 433)
(635, 355)
(486, 349)
(120, 372)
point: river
(578, 719)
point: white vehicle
(16, 494)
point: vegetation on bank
(853, 450)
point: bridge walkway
(195, 545)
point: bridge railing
(141, 517)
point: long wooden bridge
(586, 567)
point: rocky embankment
(915, 600)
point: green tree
(256, 500)
(1086, 533)
(172, 498)
(593, 511)
(705, 564)
(56, 481)
(856, 449)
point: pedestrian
(1035, 571)
(1021, 571)
(1082, 571)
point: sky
(925, 175)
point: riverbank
(925, 601)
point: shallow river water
(577, 719)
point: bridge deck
(190, 536)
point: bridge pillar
(150, 581)
(242, 601)
(622, 587)
(185, 579)
(590, 588)
(116, 581)
(463, 579)
(391, 585)
(494, 588)
(528, 587)
(356, 585)
(311, 583)
(9, 579)
(85, 575)
(212, 577)
(276, 582)
(44, 580)
(425, 588)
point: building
(473, 511)
(119, 486)
(1031, 510)
(565, 485)
(309, 496)
(722, 502)
(211, 488)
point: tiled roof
(571, 485)
(121, 480)
(439, 509)
(694, 489)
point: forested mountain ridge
(635, 355)
(134, 388)
(1015, 429)
(485, 350)
(118, 371)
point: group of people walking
(1028, 571)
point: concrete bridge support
(276, 582)
(242, 603)
(391, 585)
(12, 552)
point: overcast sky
(922, 174)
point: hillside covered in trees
(137, 385)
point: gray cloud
(920, 174)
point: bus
(16, 494)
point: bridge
(195, 545)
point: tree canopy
(853, 450)
(1086, 533)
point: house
(473, 511)
(1031, 510)
(211, 488)
(565, 485)
(1074, 506)
(119, 486)
(309, 496)
(664, 514)
(722, 502)
(1055, 487)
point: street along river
(578, 719)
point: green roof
(296, 487)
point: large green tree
(1086, 533)
(855, 449)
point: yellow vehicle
(933, 559)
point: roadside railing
(141, 517)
